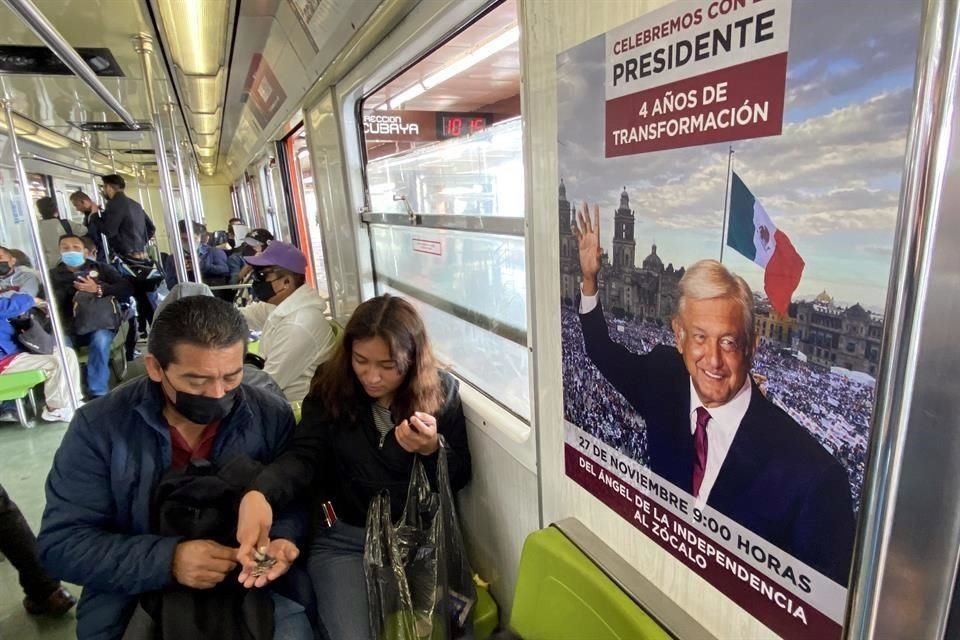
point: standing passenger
(128, 229)
(296, 335)
(92, 220)
(378, 403)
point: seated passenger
(213, 261)
(100, 526)
(44, 595)
(13, 359)
(78, 271)
(296, 336)
(380, 401)
(15, 277)
(51, 227)
(252, 375)
(251, 245)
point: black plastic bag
(419, 581)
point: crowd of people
(104, 277)
(835, 409)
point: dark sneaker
(56, 604)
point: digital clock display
(460, 125)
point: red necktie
(700, 447)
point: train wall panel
(498, 509)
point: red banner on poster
(744, 101)
(784, 612)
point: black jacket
(127, 226)
(62, 279)
(776, 480)
(344, 462)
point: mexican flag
(752, 233)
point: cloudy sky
(831, 181)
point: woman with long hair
(379, 401)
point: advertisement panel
(718, 392)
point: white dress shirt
(721, 429)
(296, 339)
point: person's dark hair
(78, 196)
(115, 181)
(400, 326)
(198, 229)
(198, 320)
(235, 220)
(23, 260)
(70, 235)
(89, 245)
(47, 207)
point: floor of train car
(26, 456)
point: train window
(444, 178)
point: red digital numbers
(457, 126)
(454, 127)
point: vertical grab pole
(185, 198)
(85, 140)
(58, 334)
(143, 45)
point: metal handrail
(494, 225)
(39, 24)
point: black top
(347, 462)
(127, 226)
(776, 480)
(109, 279)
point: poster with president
(729, 176)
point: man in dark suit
(710, 431)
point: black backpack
(92, 313)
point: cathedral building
(648, 292)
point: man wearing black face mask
(99, 527)
(296, 336)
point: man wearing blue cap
(296, 336)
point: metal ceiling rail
(37, 22)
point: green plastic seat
(562, 595)
(486, 614)
(17, 386)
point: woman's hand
(283, 551)
(418, 434)
(254, 520)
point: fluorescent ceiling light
(479, 54)
(456, 67)
(196, 33)
(407, 95)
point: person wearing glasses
(296, 337)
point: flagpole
(726, 202)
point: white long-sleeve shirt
(296, 339)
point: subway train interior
(688, 267)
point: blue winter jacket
(11, 306)
(213, 266)
(96, 526)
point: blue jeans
(98, 360)
(289, 620)
(336, 570)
